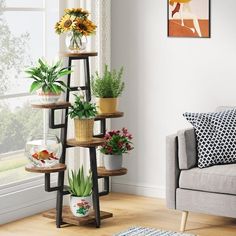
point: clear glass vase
(43, 150)
(75, 42)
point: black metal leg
(103, 126)
(106, 186)
(61, 175)
(87, 79)
(93, 166)
(59, 199)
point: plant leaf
(35, 86)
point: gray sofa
(210, 190)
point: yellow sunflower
(58, 28)
(84, 26)
(78, 12)
(66, 23)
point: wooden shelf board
(57, 168)
(81, 54)
(110, 115)
(94, 143)
(67, 216)
(102, 172)
(58, 105)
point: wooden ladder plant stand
(61, 214)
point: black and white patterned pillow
(216, 136)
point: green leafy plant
(82, 109)
(110, 85)
(80, 185)
(46, 77)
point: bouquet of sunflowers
(76, 22)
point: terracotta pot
(81, 206)
(112, 162)
(48, 98)
(83, 129)
(107, 105)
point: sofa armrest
(187, 149)
(172, 170)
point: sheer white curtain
(100, 14)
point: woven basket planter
(83, 129)
(107, 105)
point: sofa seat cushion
(217, 179)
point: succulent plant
(80, 185)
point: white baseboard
(27, 211)
(27, 202)
(143, 190)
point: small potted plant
(116, 144)
(83, 113)
(107, 89)
(46, 80)
(80, 187)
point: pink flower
(130, 136)
(109, 149)
(120, 144)
(124, 130)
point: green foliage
(46, 77)
(110, 85)
(82, 109)
(16, 126)
(14, 53)
(80, 185)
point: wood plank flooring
(128, 210)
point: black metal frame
(61, 189)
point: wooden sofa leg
(183, 221)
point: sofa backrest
(187, 149)
(223, 108)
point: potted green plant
(80, 187)
(117, 142)
(107, 89)
(46, 80)
(83, 113)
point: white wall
(164, 78)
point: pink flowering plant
(117, 142)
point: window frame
(37, 180)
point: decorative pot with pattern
(81, 206)
(48, 98)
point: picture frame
(189, 18)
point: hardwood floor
(129, 210)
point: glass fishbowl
(44, 150)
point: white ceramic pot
(48, 98)
(112, 162)
(81, 206)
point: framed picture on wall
(189, 18)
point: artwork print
(189, 18)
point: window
(26, 33)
